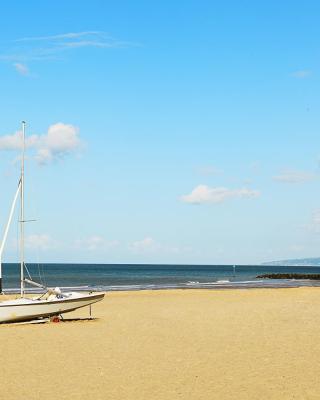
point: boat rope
(26, 268)
(42, 275)
(39, 266)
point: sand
(174, 344)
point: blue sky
(176, 132)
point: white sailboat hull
(25, 309)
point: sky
(162, 132)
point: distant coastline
(298, 262)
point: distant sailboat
(53, 301)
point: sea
(117, 277)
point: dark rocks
(289, 276)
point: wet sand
(173, 344)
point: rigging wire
(34, 205)
(26, 268)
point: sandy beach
(174, 344)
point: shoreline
(254, 284)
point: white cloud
(60, 139)
(22, 69)
(78, 39)
(49, 47)
(301, 74)
(203, 194)
(70, 35)
(96, 242)
(293, 176)
(89, 43)
(146, 245)
(40, 242)
(150, 246)
(44, 156)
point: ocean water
(141, 276)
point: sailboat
(52, 302)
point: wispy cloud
(87, 43)
(40, 242)
(70, 35)
(22, 69)
(294, 176)
(26, 49)
(301, 74)
(148, 245)
(61, 139)
(96, 242)
(203, 194)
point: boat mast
(22, 213)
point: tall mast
(22, 212)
